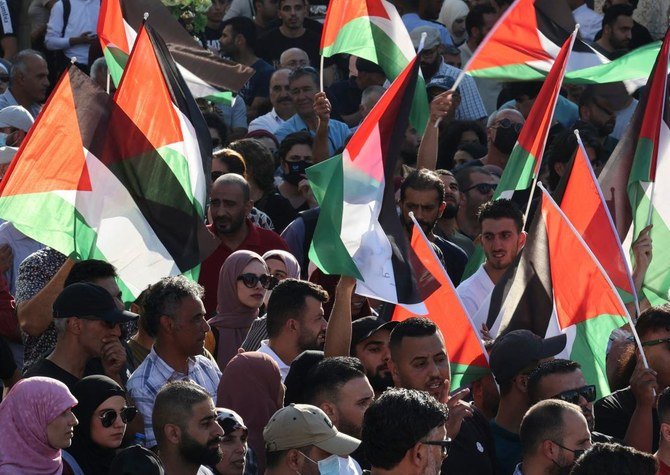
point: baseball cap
(89, 301)
(518, 349)
(363, 328)
(17, 117)
(441, 82)
(300, 425)
(432, 37)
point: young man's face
(292, 13)
(501, 241)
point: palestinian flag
(373, 30)
(639, 161)
(205, 73)
(467, 356)
(525, 42)
(557, 287)
(582, 201)
(359, 232)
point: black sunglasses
(445, 444)
(108, 416)
(506, 124)
(483, 188)
(251, 280)
(573, 395)
(578, 452)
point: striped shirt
(154, 373)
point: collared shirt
(589, 21)
(22, 246)
(337, 132)
(83, 18)
(474, 292)
(7, 99)
(270, 122)
(518, 470)
(154, 373)
(472, 107)
(413, 20)
(283, 367)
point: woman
(452, 15)
(37, 422)
(243, 281)
(103, 414)
(233, 445)
(251, 386)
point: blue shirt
(338, 132)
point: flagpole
(108, 80)
(651, 202)
(459, 78)
(321, 74)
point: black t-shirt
(273, 44)
(454, 261)
(210, 38)
(613, 414)
(47, 368)
(344, 97)
(7, 364)
(472, 451)
(279, 210)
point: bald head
(232, 179)
(510, 114)
(293, 58)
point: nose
(118, 422)
(73, 420)
(206, 326)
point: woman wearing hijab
(452, 15)
(282, 265)
(103, 414)
(243, 281)
(233, 445)
(37, 422)
(251, 386)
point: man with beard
(553, 436)
(476, 186)
(447, 226)
(502, 132)
(617, 31)
(184, 421)
(597, 112)
(282, 105)
(295, 322)
(370, 338)
(229, 205)
(419, 360)
(422, 193)
(501, 238)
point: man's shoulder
(621, 400)
(450, 249)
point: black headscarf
(92, 391)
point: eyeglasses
(506, 124)
(445, 444)
(656, 342)
(108, 416)
(483, 188)
(251, 280)
(573, 395)
(578, 452)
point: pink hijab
(250, 386)
(31, 405)
(232, 319)
(291, 263)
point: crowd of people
(267, 365)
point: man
(234, 445)
(478, 23)
(432, 64)
(293, 58)
(304, 89)
(282, 105)
(266, 14)
(295, 156)
(502, 238)
(617, 31)
(229, 205)
(301, 439)
(447, 226)
(404, 433)
(502, 132)
(339, 387)
(423, 13)
(214, 27)
(188, 436)
(87, 321)
(553, 436)
(476, 186)
(419, 360)
(597, 112)
(564, 380)
(513, 357)
(370, 338)
(630, 413)
(640, 35)
(663, 453)
(175, 317)
(238, 42)
(28, 82)
(588, 20)
(422, 193)
(369, 97)
(295, 321)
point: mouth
(434, 387)
(498, 254)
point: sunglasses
(445, 444)
(506, 124)
(483, 188)
(573, 395)
(578, 452)
(251, 280)
(656, 342)
(108, 416)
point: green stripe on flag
(641, 170)
(225, 98)
(518, 173)
(116, 61)
(462, 375)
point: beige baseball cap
(300, 425)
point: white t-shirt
(474, 292)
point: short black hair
(614, 12)
(423, 180)
(325, 380)
(288, 301)
(563, 148)
(215, 121)
(296, 138)
(501, 208)
(174, 405)
(614, 458)
(652, 319)
(88, 271)
(475, 17)
(396, 421)
(259, 162)
(544, 369)
(243, 26)
(415, 327)
(165, 297)
(663, 407)
(544, 421)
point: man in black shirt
(422, 192)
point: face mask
(296, 172)
(335, 465)
(505, 139)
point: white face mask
(335, 465)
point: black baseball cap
(518, 349)
(363, 328)
(91, 302)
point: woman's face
(458, 26)
(234, 448)
(108, 437)
(277, 268)
(252, 298)
(61, 430)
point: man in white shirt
(282, 105)
(72, 29)
(295, 322)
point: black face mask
(296, 172)
(507, 133)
